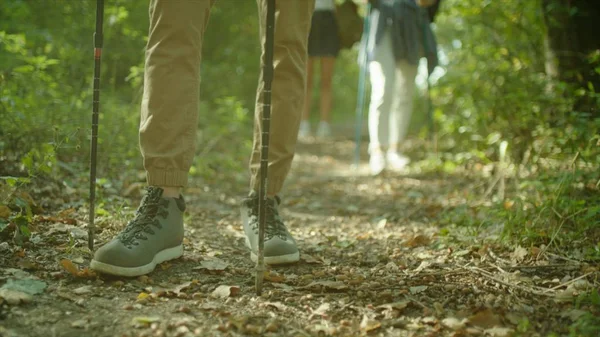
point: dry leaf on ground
(367, 324)
(395, 306)
(417, 289)
(224, 291)
(274, 277)
(70, 267)
(15, 297)
(485, 319)
(499, 332)
(331, 285)
(519, 254)
(419, 240)
(212, 265)
(142, 321)
(454, 323)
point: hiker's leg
(292, 24)
(327, 66)
(167, 133)
(382, 75)
(169, 110)
(403, 102)
(309, 84)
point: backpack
(350, 24)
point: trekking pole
(360, 103)
(95, 112)
(431, 124)
(264, 149)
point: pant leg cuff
(274, 185)
(171, 178)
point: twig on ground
(548, 266)
(571, 281)
(565, 258)
(497, 258)
(510, 285)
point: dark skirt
(323, 39)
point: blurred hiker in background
(323, 48)
(399, 35)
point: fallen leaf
(79, 324)
(462, 252)
(368, 325)
(144, 320)
(321, 310)
(573, 314)
(277, 305)
(519, 254)
(395, 306)
(70, 267)
(66, 212)
(417, 289)
(485, 319)
(209, 306)
(454, 323)
(27, 285)
(83, 290)
(4, 212)
(508, 204)
(15, 297)
(419, 240)
(224, 291)
(310, 259)
(332, 285)
(499, 332)
(566, 295)
(184, 287)
(274, 277)
(142, 297)
(212, 265)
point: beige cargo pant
(170, 102)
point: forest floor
(374, 261)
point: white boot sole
(273, 260)
(160, 257)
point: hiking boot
(280, 246)
(155, 235)
(376, 163)
(396, 161)
(324, 130)
(304, 131)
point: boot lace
(145, 220)
(274, 226)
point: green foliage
(495, 91)
(496, 88)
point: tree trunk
(572, 36)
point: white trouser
(392, 89)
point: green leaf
(28, 285)
(3, 224)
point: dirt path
(374, 261)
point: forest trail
(377, 258)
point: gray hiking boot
(153, 236)
(280, 246)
